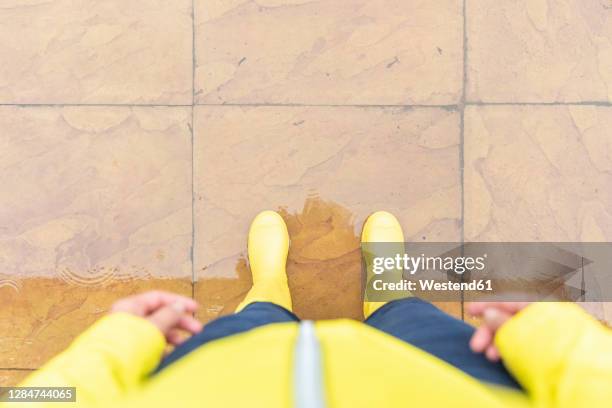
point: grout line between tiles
(582, 281)
(101, 105)
(193, 64)
(323, 105)
(462, 143)
(193, 277)
(450, 107)
(579, 103)
(193, 53)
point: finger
(478, 308)
(481, 339)
(156, 299)
(190, 324)
(510, 307)
(129, 305)
(175, 337)
(168, 298)
(492, 354)
(167, 317)
(513, 307)
(494, 318)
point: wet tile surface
(91, 197)
(97, 201)
(95, 192)
(538, 173)
(42, 315)
(539, 50)
(115, 51)
(336, 52)
(325, 170)
(10, 378)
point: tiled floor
(138, 139)
(326, 169)
(10, 378)
(382, 52)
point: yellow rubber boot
(380, 227)
(268, 246)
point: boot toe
(268, 218)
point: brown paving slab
(92, 196)
(114, 51)
(333, 52)
(41, 316)
(539, 174)
(11, 378)
(324, 170)
(539, 50)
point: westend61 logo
(422, 263)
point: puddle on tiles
(323, 267)
(39, 316)
(11, 378)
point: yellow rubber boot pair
(268, 247)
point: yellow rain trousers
(560, 355)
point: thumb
(167, 317)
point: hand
(169, 312)
(494, 315)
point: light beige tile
(90, 193)
(538, 173)
(325, 170)
(11, 378)
(42, 316)
(329, 52)
(113, 51)
(91, 197)
(541, 174)
(539, 50)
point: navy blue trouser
(412, 320)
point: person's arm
(560, 355)
(112, 356)
(119, 351)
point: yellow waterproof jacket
(561, 356)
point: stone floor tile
(91, 196)
(324, 170)
(10, 378)
(335, 52)
(538, 173)
(539, 50)
(43, 315)
(92, 52)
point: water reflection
(324, 267)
